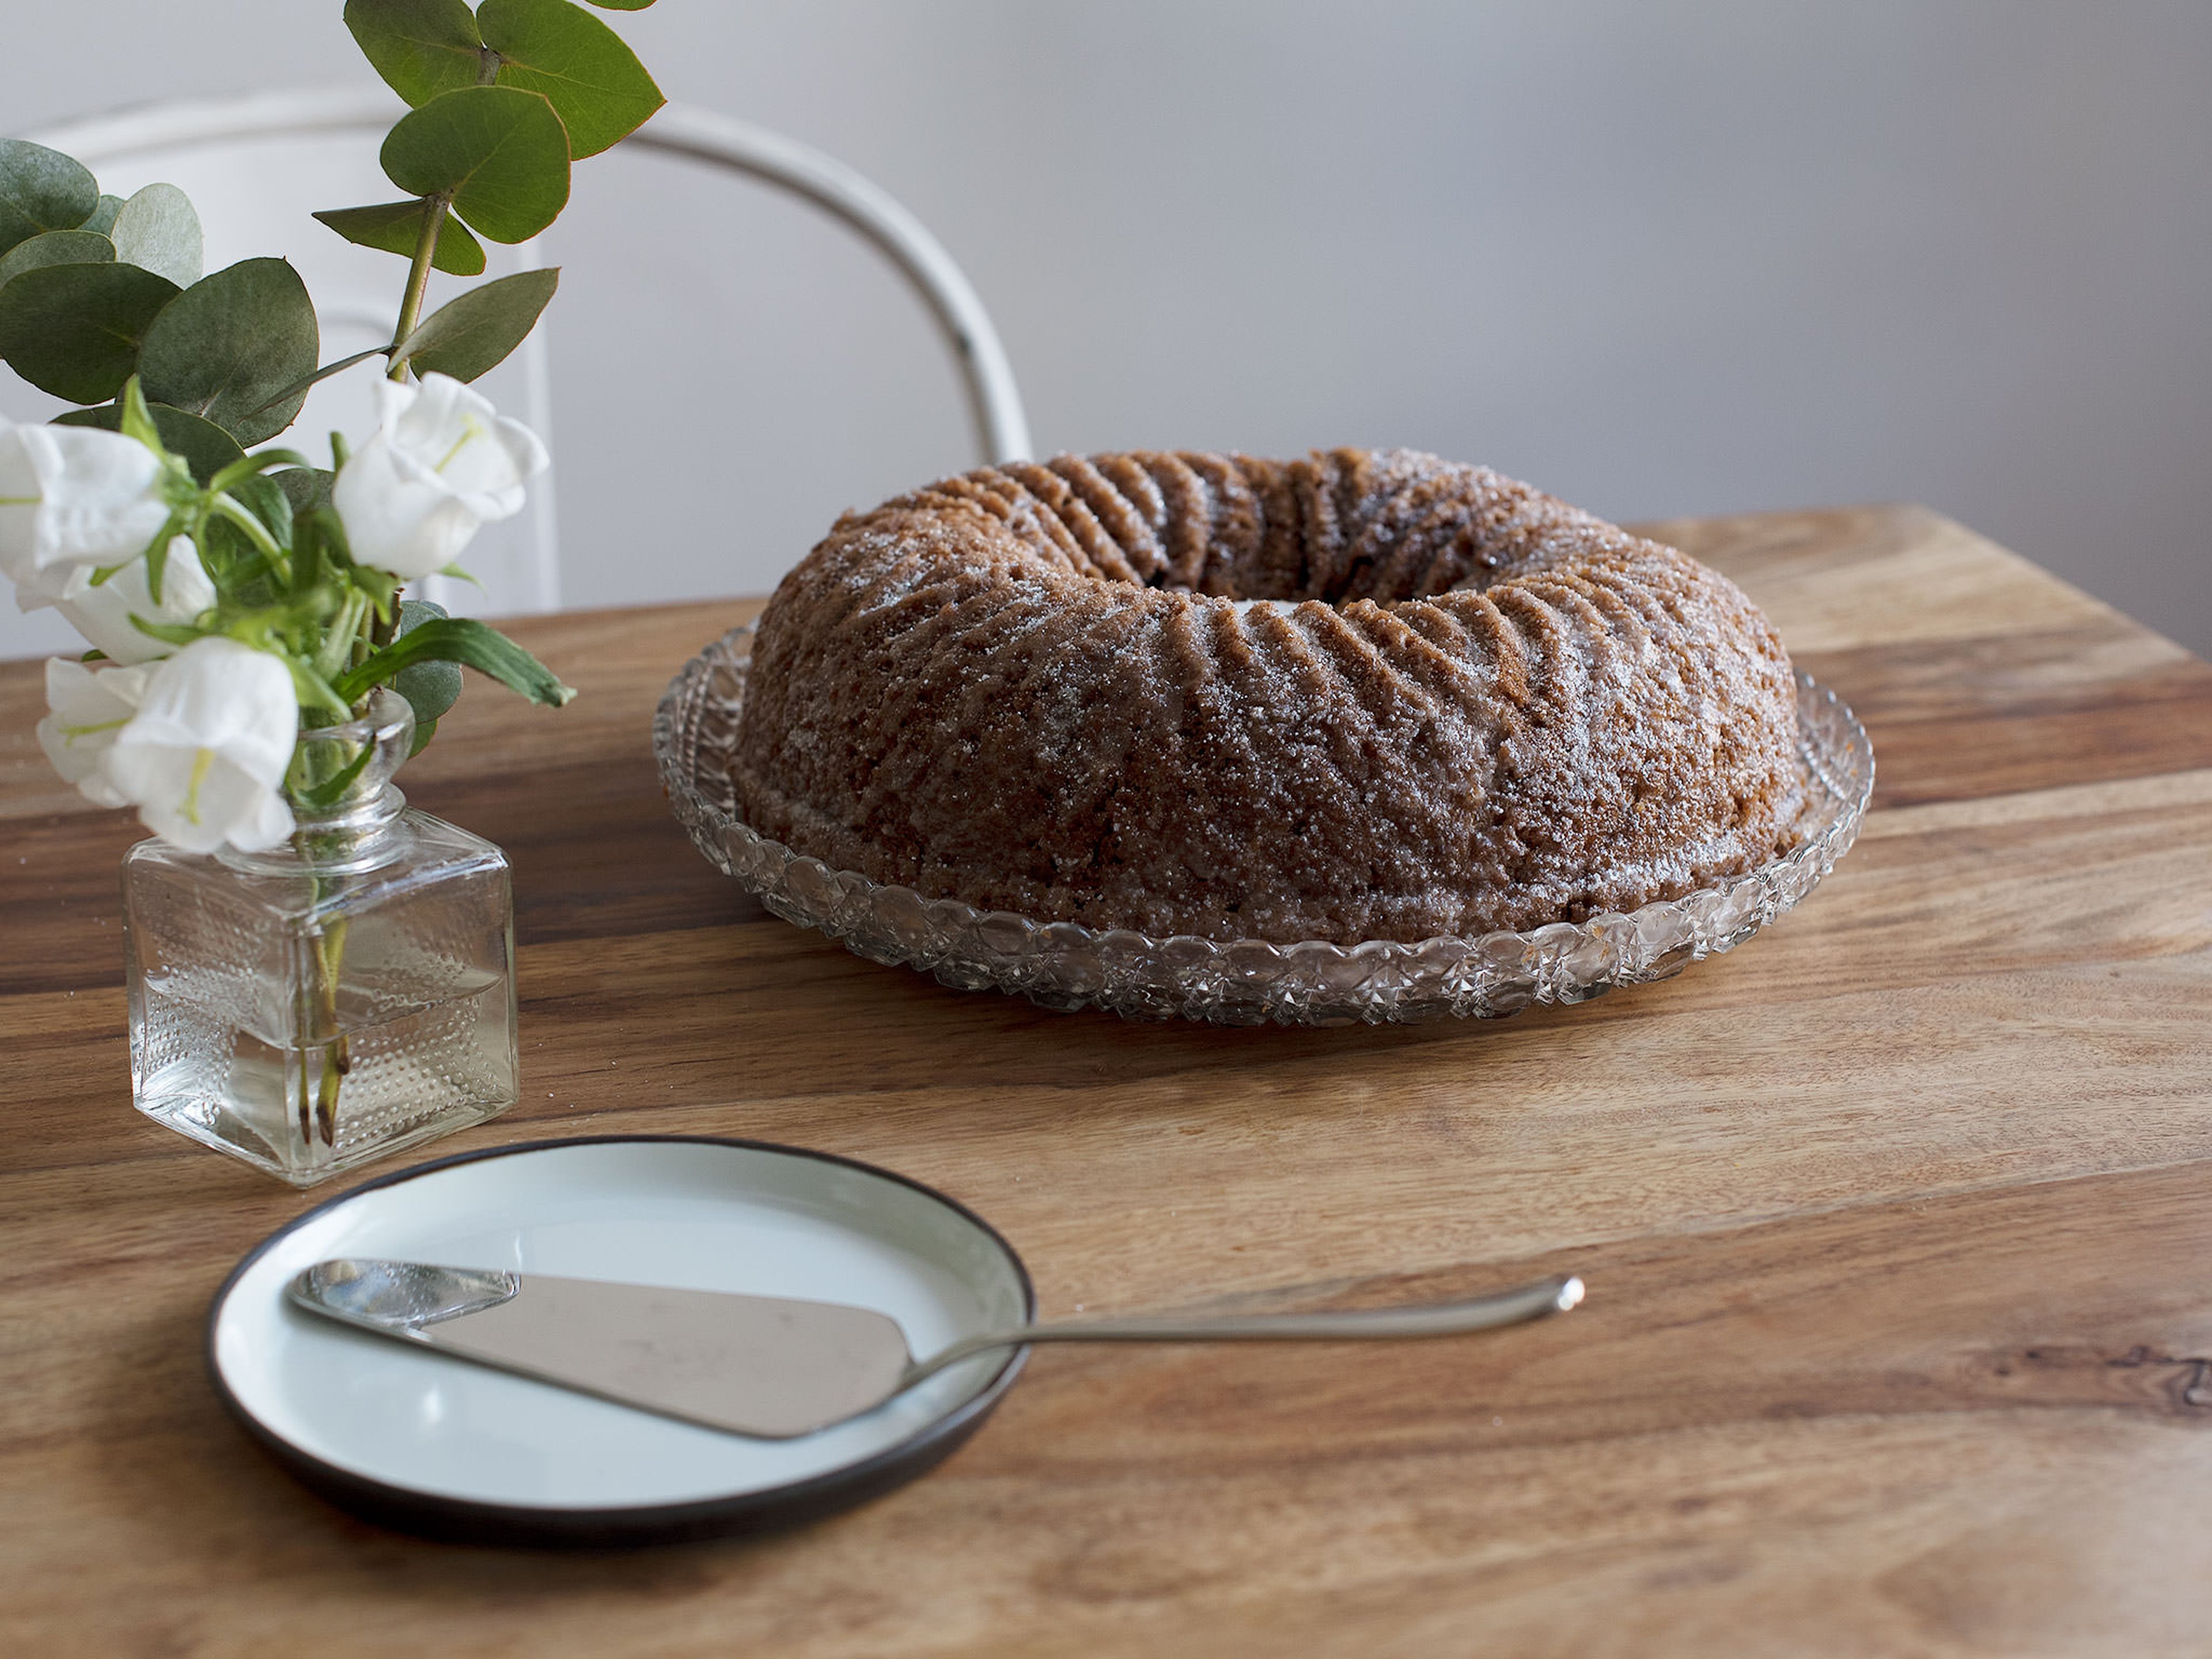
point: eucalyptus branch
(273, 584)
(434, 209)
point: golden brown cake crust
(1365, 694)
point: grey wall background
(1698, 257)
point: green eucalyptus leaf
(621, 5)
(307, 383)
(205, 447)
(103, 216)
(499, 153)
(424, 731)
(267, 501)
(230, 343)
(41, 190)
(595, 84)
(238, 569)
(420, 47)
(469, 643)
(157, 230)
(430, 688)
(75, 330)
(476, 330)
(396, 227)
(306, 486)
(55, 248)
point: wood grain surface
(1897, 1223)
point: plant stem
(227, 506)
(434, 209)
(337, 1059)
(336, 655)
(419, 276)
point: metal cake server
(771, 1366)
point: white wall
(1689, 257)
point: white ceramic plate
(435, 1445)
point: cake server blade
(763, 1365)
(776, 1367)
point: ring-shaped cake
(1362, 695)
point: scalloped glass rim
(1063, 965)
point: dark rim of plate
(461, 1520)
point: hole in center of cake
(1384, 575)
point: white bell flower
(442, 463)
(102, 612)
(88, 707)
(75, 495)
(205, 756)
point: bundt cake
(1360, 695)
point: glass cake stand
(1065, 966)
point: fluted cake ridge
(1362, 695)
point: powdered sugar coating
(1044, 688)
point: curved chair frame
(994, 400)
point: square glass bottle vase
(335, 1000)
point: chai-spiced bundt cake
(1361, 695)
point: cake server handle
(1483, 1313)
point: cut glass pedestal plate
(1065, 966)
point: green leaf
(41, 190)
(430, 688)
(267, 501)
(157, 230)
(168, 633)
(476, 330)
(420, 47)
(309, 566)
(305, 383)
(157, 560)
(381, 585)
(621, 5)
(248, 466)
(74, 331)
(397, 226)
(55, 248)
(595, 84)
(103, 216)
(306, 486)
(323, 796)
(137, 415)
(238, 569)
(318, 542)
(460, 639)
(424, 731)
(500, 154)
(205, 447)
(230, 343)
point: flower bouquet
(318, 976)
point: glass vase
(338, 998)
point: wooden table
(1897, 1222)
